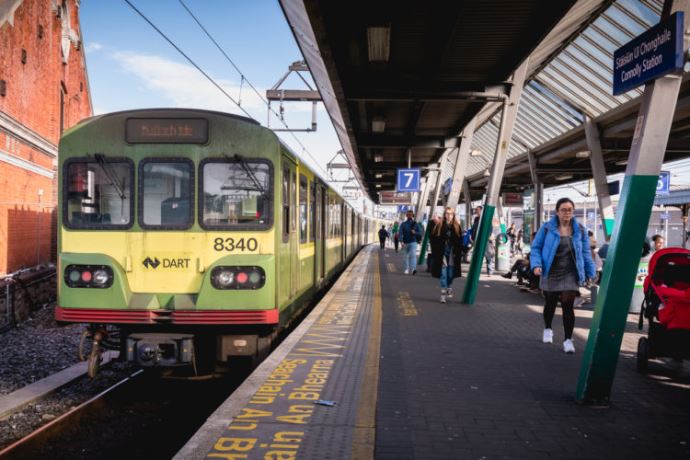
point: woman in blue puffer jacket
(560, 254)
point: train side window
(97, 194)
(166, 195)
(286, 204)
(293, 201)
(302, 208)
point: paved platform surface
(461, 381)
(416, 379)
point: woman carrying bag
(446, 252)
(561, 255)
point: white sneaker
(449, 291)
(547, 337)
(406, 272)
(568, 346)
(443, 296)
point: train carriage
(190, 237)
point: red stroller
(667, 307)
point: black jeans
(567, 299)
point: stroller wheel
(642, 355)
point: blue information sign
(408, 180)
(654, 53)
(663, 186)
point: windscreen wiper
(249, 172)
(100, 158)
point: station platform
(413, 378)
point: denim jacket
(406, 235)
(545, 246)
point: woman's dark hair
(564, 200)
(656, 237)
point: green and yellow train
(187, 237)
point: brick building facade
(43, 90)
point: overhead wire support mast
(294, 95)
(213, 82)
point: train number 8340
(232, 244)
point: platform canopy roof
(401, 77)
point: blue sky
(131, 66)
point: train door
(324, 234)
(316, 225)
(290, 246)
(345, 237)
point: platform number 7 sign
(408, 180)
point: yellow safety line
(364, 438)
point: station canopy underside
(408, 77)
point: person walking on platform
(410, 235)
(446, 252)
(396, 238)
(658, 241)
(383, 236)
(561, 255)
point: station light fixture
(379, 41)
(378, 124)
(378, 158)
(487, 173)
(583, 154)
(476, 153)
(564, 177)
(378, 185)
(379, 175)
(621, 163)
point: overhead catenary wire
(244, 78)
(210, 79)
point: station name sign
(166, 130)
(653, 54)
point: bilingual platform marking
(406, 305)
(274, 422)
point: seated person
(521, 269)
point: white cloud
(182, 85)
(92, 47)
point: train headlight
(88, 276)
(225, 278)
(238, 277)
(101, 277)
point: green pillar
(480, 242)
(425, 243)
(653, 126)
(613, 301)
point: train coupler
(160, 350)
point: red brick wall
(33, 88)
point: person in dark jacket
(383, 235)
(446, 252)
(411, 235)
(561, 255)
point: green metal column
(644, 164)
(425, 243)
(505, 132)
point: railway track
(141, 416)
